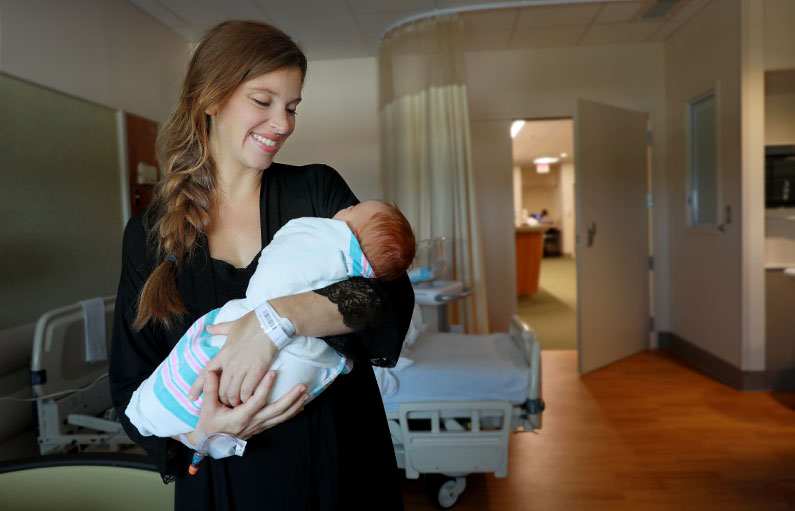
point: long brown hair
(228, 54)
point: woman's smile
(267, 143)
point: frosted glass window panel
(703, 168)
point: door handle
(591, 233)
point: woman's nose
(280, 123)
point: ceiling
(544, 138)
(329, 29)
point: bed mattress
(456, 367)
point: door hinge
(651, 324)
(649, 200)
(648, 138)
(651, 262)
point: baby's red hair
(388, 243)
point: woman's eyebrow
(272, 93)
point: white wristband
(279, 329)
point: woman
(221, 201)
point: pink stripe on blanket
(170, 385)
(179, 381)
(194, 343)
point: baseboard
(716, 367)
(781, 380)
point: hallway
(552, 312)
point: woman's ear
(212, 110)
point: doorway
(545, 220)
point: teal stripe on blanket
(356, 254)
(171, 403)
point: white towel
(94, 323)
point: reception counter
(529, 250)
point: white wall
(568, 215)
(706, 266)
(337, 123)
(780, 107)
(105, 51)
(544, 83)
(779, 36)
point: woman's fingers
(250, 382)
(210, 390)
(260, 397)
(198, 384)
(296, 406)
(295, 398)
(227, 383)
(220, 328)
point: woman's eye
(260, 103)
(292, 112)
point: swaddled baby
(370, 239)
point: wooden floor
(647, 433)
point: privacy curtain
(425, 149)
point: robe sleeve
(378, 312)
(136, 354)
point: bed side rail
(525, 340)
(455, 438)
(73, 393)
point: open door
(611, 175)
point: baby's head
(384, 235)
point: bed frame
(78, 420)
(455, 438)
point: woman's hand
(242, 361)
(252, 417)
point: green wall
(60, 201)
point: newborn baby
(371, 239)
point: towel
(94, 322)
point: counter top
(532, 228)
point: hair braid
(229, 54)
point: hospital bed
(458, 402)
(73, 405)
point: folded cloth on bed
(457, 367)
(305, 254)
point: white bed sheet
(457, 367)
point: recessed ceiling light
(563, 155)
(516, 127)
(546, 160)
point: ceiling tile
(668, 28)
(341, 28)
(203, 14)
(621, 32)
(298, 9)
(689, 9)
(447, 4)
(546, 37)
(619, 13)
(365, 6)
(491, 20)
(373, 24)
(556, 16)
(158, 12)
(336, 50)
(482, 41)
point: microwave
(780, 176)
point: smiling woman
(222, 200)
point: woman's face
(249, 127)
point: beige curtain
(425, 146)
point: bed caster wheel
(443, 490)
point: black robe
(337, 453)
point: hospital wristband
(280, 330)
